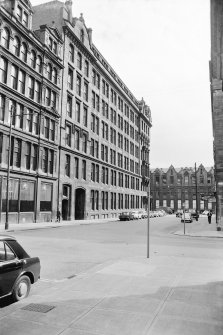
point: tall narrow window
(16, 46)
(67, 165)
(22, 77)
(2, 107)
(3, 70)
(70, 79)
(5, 38)
(79, 60)
(71, 53)
(69, 106)
(39, 64)
(76, 167)
(77, 111)
(49, 71)
(14, 77)
(86, 68)
(85, 116)
(28, 155)
(54, 75)
(33, 59)
(24, 52)
(25, 19)
(78, 85)
(31, 87)
(84, 169)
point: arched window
(79, 60)
(5, 38)
(33, 59)
(39, 64)
(54, 75)
(82, 35)
(16, 46)
(49, 71)
(24, 52)
(71, 53)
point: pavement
(162, 295)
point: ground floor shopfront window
(46, 197)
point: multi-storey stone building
(98, 164)
(178, 187)
(104, 130)
(216, 78)
(30, 76)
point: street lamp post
(148, 218)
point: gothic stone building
(178, 187)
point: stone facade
(175, 187)
(101, 163)
(29, 111)
(216, 76)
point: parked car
(126, 216)
(144, 214)
(17, 269)
(186, 217)
(179, 213)
(136, 215)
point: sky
(161, 50)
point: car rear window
(20, 252)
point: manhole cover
(38, 308)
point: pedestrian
(197, 216)
(58, 215)
(209, 217)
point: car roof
(6, 237)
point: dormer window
(25, 19)
(19, 13)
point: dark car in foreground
(126, 216)
(17, 269)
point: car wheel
(21, 289)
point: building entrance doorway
(79, 204)
(66, 202)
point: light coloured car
(186, 217)
(135, 215)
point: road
(68, 251)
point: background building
(174, 187)
(93, 135)
(216, 76)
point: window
(70, 79)
(27, 155)
(35, 123)
(3, 70)
(68, 135)
(86, 91)
(34, 158)
(16, 46)
(46, 127)
(14, 77)
(2, 107)
(76, 167)
(54, 75)
(5, 38)
(84, 143)
(25, 19)
(17, 152)
(21, 86)
(39, 64)
(78, 85)
(37, 91)
(85, 116)
(46, 197)
(86, 68)
(77, 111)
(31, 87)
(29, 120)
(69, 106)
(27, 196)
(79, 60)
(84, 169)
(47, 96)
(67, 165)
(55, 47)
(71, 53)
(77, 139)
(53, 99)
(13, 195)
(24, 52)
(49, 71)
(19, 13)
(33, 59)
